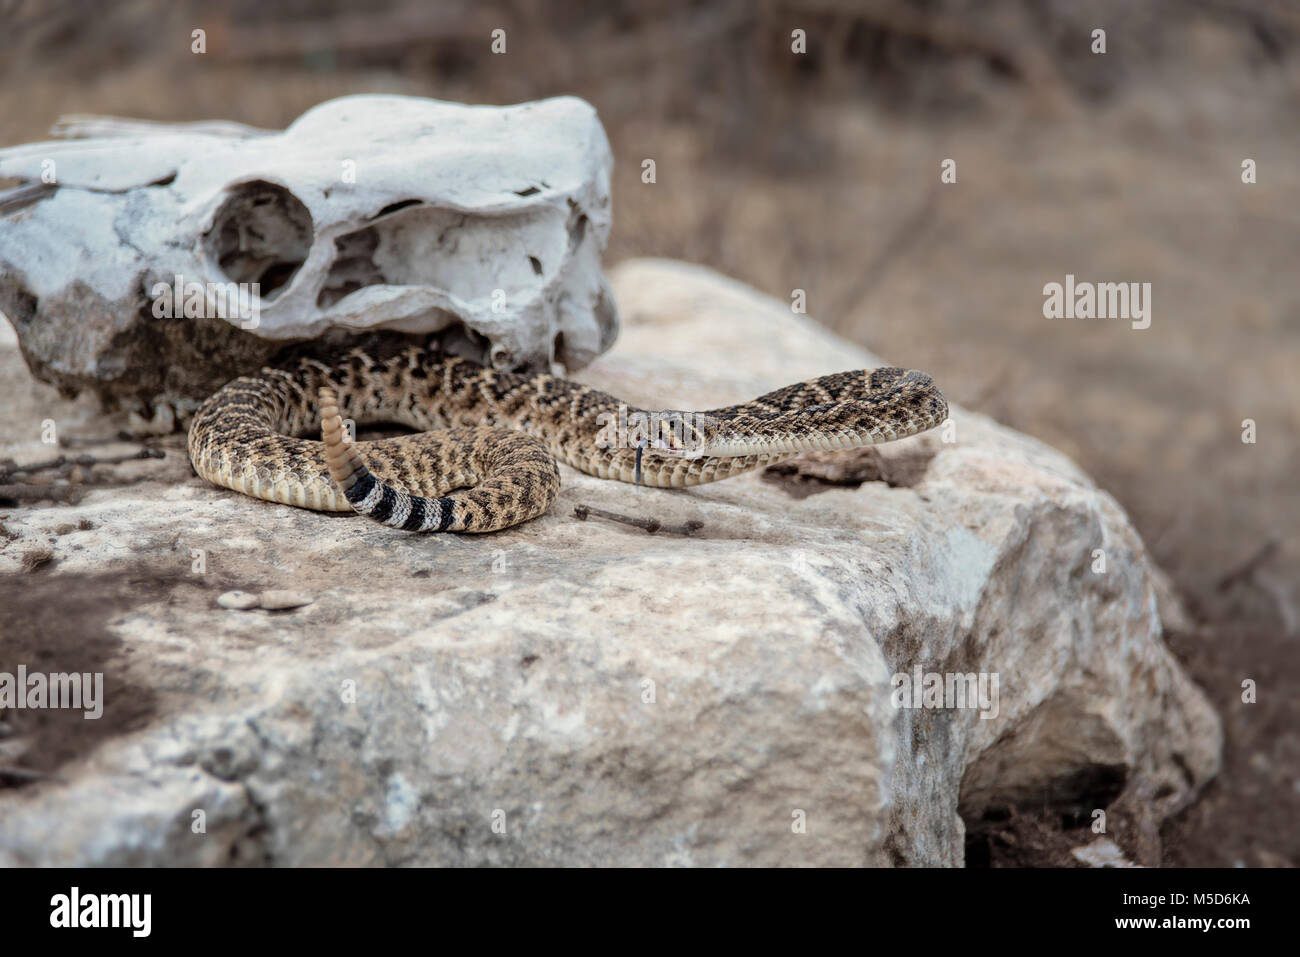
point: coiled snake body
(484, 456)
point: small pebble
(37, 558)
(280, 600)
(240, 600)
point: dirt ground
(821, 172)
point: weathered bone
(483, 224)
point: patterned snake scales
(484, 456)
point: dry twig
(650, 525)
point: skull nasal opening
(261, 233)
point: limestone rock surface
(582, 692)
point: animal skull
(483, 224)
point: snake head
(687, 434)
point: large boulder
(182, 253)
(583, 692)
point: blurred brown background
(821, 172)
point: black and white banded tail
(368, 495)
(475, 479)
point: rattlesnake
(485, 454)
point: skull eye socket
(261, 233)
